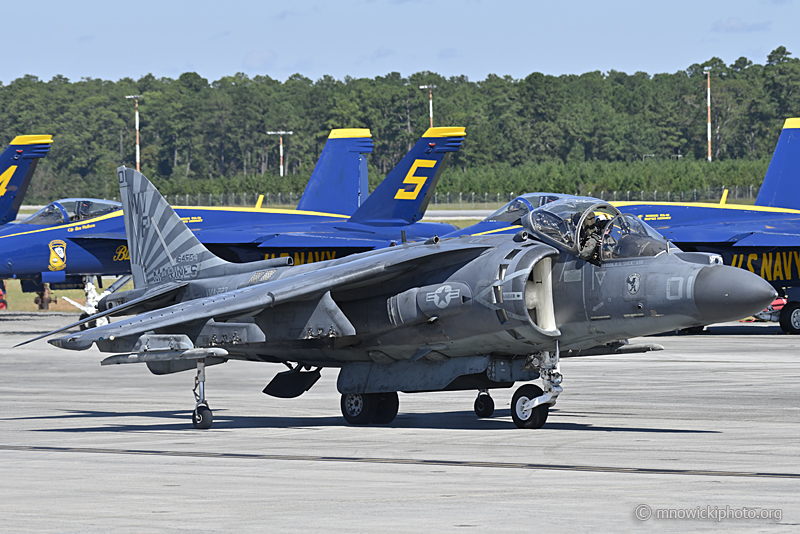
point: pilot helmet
(83, 208)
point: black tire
(484, 405)
(386, 409)
(202, 417)
(359, 408)
(790, 318)
(532, 419)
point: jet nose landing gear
(201, 416)
(522, 411)
(530, 405)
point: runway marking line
(407, 461)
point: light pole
(708, 75)
(136, 102)
(280, 133)
(430, 88)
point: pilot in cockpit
(83, 210)
(590, 235)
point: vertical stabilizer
(161, 247)
(781, 186)
(17, 164)
(338, 183)
(403, 196)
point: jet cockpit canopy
(566, 223)
(71, 210)
(519, 207)
(594, 230)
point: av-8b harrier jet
(473, 312)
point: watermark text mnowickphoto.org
(645, 512)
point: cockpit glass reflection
(567, 222)
(628, 237)
(71, 210)
(519, 207)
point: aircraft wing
(160, 292)
(700, 233)
(764, 239)
(321, 240)
(111, 236)
(251, 300)
(288, 240)
(731, 234)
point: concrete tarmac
(709, 424)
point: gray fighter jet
(473, 312)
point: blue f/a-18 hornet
(71, 239)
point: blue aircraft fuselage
(97, 246)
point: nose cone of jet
(724, 293)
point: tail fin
(781, 186)
(404, 194)
(161, 247)
(17, 164)
(339, 180)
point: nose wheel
(522, 413)
(202, 418)
(530, 404)
(484, 405)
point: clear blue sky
(367, 38)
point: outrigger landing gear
(202, 416)
(530, 405)
(484, 405)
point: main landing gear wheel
(386, 409)
(531, 418)
(359, 408)
(202, 417)
(484, 405)
(790, 318)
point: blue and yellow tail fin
(338, 183)
(781, 186)
(17, 164)
(403, 196)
